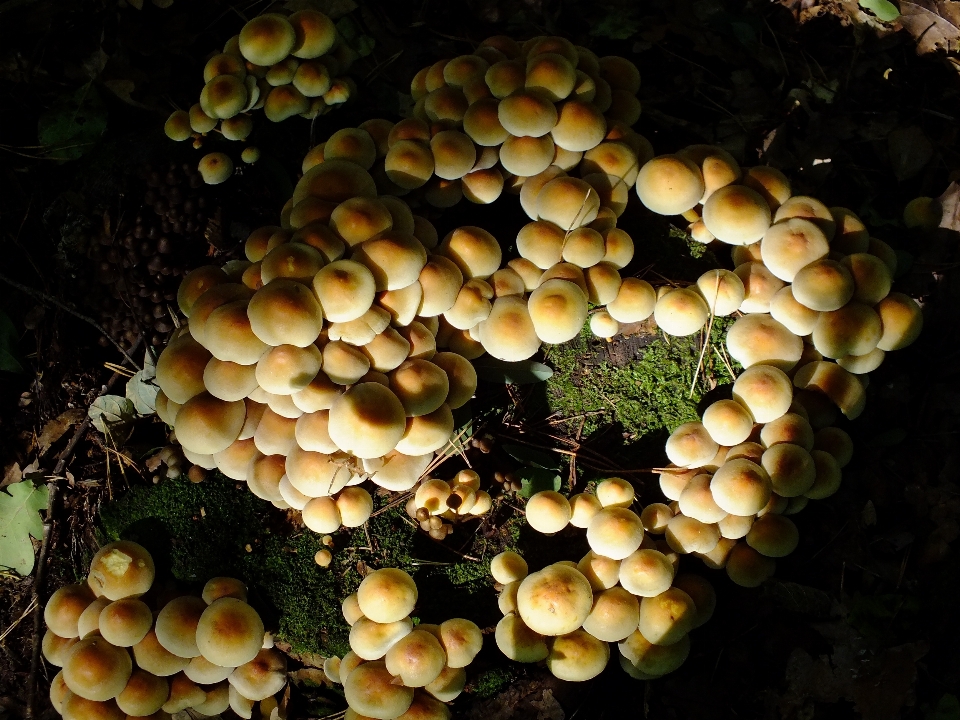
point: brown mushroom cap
(525, 156)
(901, 319)
(144, 694)
(267, 39)
(394, 258)
(367, 420)
(96, 670)
(120, 569)
(508, 333)
(416, 659)
(790, 428)
(89, 622)
(285, 312)
(74, 707)
(262, 677)
(555, 600)
(180, 369)
(758, 338)
(229, 632)
(527, 113)
(177, 625)
(207, 425)
(125, 622)
(690, 445)
(315, 34)
(421, 386)
(370, 691)
(64, 608)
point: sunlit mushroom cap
(548, 511)
(790, 245)
(901, 319)
(804, 206)
(118, 570)
(719, 167)
(681, 312)
(371, 692)
(555, 600)
(765, 391)
(508, 567)
(635, 301)
(143, 695)
(727, 422)
(646, 573)
(420, 386)
(797, 318)
(96, 670)
(285, 312)
(229, 632)
(474, 250)
(568, 203)
(346, 290)
(125, 622)
(262, 677)
(518, 642)
(387, 350)
(791, 469)
(508, 333)
(758, 338)
(843, 388)
(736, 215)
(387, 595)
(335, 180)
(741, 487)
(558, 310)
(207, 425)
(64, 608)
(667, 617)
(760, 285)
(854, 329)
(691, 445)
(525, 156)
(615, 532)
(527, 113)
(577, 656)
(772, 184)
(670, 184)
(74, 707)
(723, 291)
(416, 659)
(579, 127)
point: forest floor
(861, 621)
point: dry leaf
(314, 676)
(55, 429)
(950, 202)
(934, 24)
(11, 474)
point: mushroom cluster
(625, 590)
(437, 500)
(127, 649)
(284, 65)
(395, 669)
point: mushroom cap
(854, 329)
(525, 156)
(409, 164)
(207, 425)
(315, 34)
(836, 442)
(318, 395)
(577, 656)
(579, 127)
(352, 144)
(358, 219)
(790, 428)
(759, 284)
(681, 312)
(475, 251)
(371, 640)
(741, 487)
(64, 608)
(558, 310)
(843, 388)
(871, 277)
(670, 184)
(736, 215)
(261, 677)
(449, 685)
(55, 647)
(551, 75)
(176, 626)
(152, 657)
(125, 622)
(568, 203)
(217, 700)
(690, 445)
(584, 247)
(395, 259)
(645, 573)
(421, 386)
(228, 380)
(180, 369)
(184, 693)
(602, 325)
(96, 670)
(313, 432)
(603, 283)
(527, 113)
(481, 123)
(719, 167)
(804, 206)
(635, 301)
(773, 535)
(555, 600)
(697, 502)
(229, 633)
(765, 391)
(600, 571)
(611, 158)
(482, 186)
(387, 595)
(758, 338)
(541, 242)
(119, 569)
(823, 285)
(771, 183)
(144, 694)
(797, 318)
(461, 375)
(287, 369)
(267, 39)
(548, 512)
(617, 243)
(285, 312)
(666, 618)
(727, 422)
(791, 469)
(218, 587)
(417, 658)
(655, 517)
(703, 594)
(440, 281)
(689, 535)
(74, 707)
(828, 476)
(614, 615)
(284, 102)
(748, 568)
(367, 420)
(335, 180)
(508, 333)
(642, 659)
(508, 567)
(723, 291)
(454, 154)
(445, 105)
(343, 364)
(462, 641)
(615, 532)
(790, 245)
(229, 336)
(275, 434)
(518, 642)
(314, 474)
(321, 515)
(615, 492)
(901, 320)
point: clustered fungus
(625, 590)
(285, 65)
(395, 669)
(435, 501)
(127, 648)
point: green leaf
(883, 9)
(74, 124)
(19, 521)
(532, 457)
(534, 480)
(365, 45)
(524, 372)
(142, 393)
(8, 341)
(111, 414)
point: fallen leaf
(934, 24)
(111, 413)
(142, 394)
(19, 521)
(950, 202)
(311, 676)
(11, 474)
(55, 429)
(883, 9)
(909, 151)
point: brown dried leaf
(11, 474)
(950, 202)
(55, 429)
(934, 24)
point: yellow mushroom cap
(64, 608)
(824, 285)
(765, 391)
(901, 320)
(681, 312)
(558, 310)
(229, 633)
(89, 622)
(646, 573)
(462, 641)
(454, 154)
(689, 535)
(791, 469)
(346, 290)
(409, 164)
(525, 155)
(773, 535)
(482, 123)
(614, 615)
(387, 595)
(541, 242)
(207, 425)
(871, 277)
(690, 445)
(758, 338)
(741, 487)
(321, 515)
(151, 656)
(655, 517)
(474, 250)
(719, 168)
(790, 428)
(287, 369)
(736, 215)
(760, 286)
(315, 34)
(508, 567)
(797, 318)
(548, 511)
(600, 571)
(723, 291)
(568, 202)
(285, 312)
(518, 642)
(223, 97)
(810, 208)
(96, 670)
(697, 502)
(615, 492)
(267, 39)
(615, 532)
(394, 258)
(670, 184)
(748, 568)
(527, 113)
(836, 442)
(461, 375)
(180, 369)
(772, 184)
(284, 102)
(643, 660)
(790, 245)
(842, 387)
(360, 218)
(125, 622)
(367, 420)
(508, 333)
(417, 659)
(263, 676)
(371, 692)
(555, 600)
(74, 707)
(143, 695)
(420, 386)
(55, 647)
(218, 587)
(177, 127)
(667, 617)
(727, 422)
(829, 476)
(577, 656)
(335, 180)
(854, 329)
(118, 570)
(579, 127)
(635, 301)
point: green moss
(198, 531)
(644, 384)
(490, 682)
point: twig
(49, 300)
(53, 491)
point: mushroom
(614, 615)
(144, 694)
(670, 184)
(836, 442)
(615, 532)
(828, 476)
(681, 312)
(765, 391)
(577, 656)
(748, 568)
(207, 425)
(600, 571)
(548, 512)
(643, 660)
(789, 428)
(229, 632)
(568, 202)
(96, 670)
(267, 39)
(508, 567)
(462, 641)
(275, 434)
(842, 387)
(723, 291)
(321, 515)
(645, 573)
(75, 707)
(368, 420)
(119, 569)
(421, 386)
(901, 320)
(180, 369)
(741, 487)
(416, 659)
(615, 492)
(803, 206)
(555, 600)
(666, 618)
(387, 595)
(64, 608)
(518, 642)
(541, 242)
(125, 622)
(759, 284)
(790, 245)
(796, 317)
(823, 285)
(152, 657)
(773, 535)
(204, 672)
(727, 422)
(262, 677)
(217, 700)
(697, 502)
(558, 310)
(184, 693)
(474, 250)
(655, 517)
(690, 445)
(758, 338)
(508, 333)
(689, 535)
(791, 469)
(579, 127)
(370, 691)
(854, 329)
